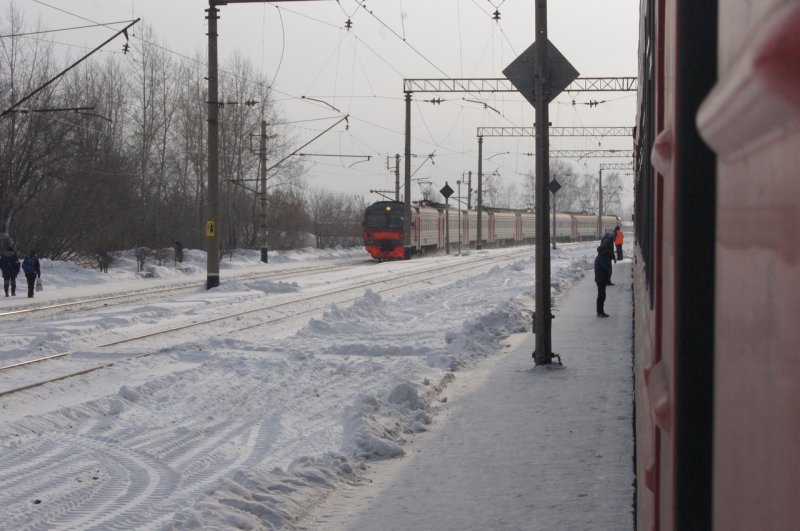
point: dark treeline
(131, 171)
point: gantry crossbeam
(557, 131)
(582, 84)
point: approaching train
(717, 265)
(431, 224)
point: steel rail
(122, 297)
(473, 264)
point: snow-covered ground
(245, 426)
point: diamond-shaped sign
(446, 191)
(522, 73)
(554, 186)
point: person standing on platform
(602, 275)
(618, 239)
(607, 243)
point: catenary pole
(543, 354)
(262, 226)
(212, 240)
(212, 228)
(478, 242)
(407, 200)
(600, 205)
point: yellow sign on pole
(211, 228)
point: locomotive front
(384, 229)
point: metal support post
(262, 226)
(600, 206)
(407, 209)
(543, 354)
(446, 224)
(555, 232)
(479, 241)
(459, 217)
(397, 177)
(212, 230)
(469, 189)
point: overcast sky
(305, 50)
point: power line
(41, 32)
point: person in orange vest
(618, 239)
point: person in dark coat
(9, 264)
(607, 243)
(602, 275)
(32, 270)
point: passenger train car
(433, 226)
(717, 265)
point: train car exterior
(584, 227)
(716, 271)
(528, 226)
(384, 228)
(427, 231)
(503, 228)
(564, 227)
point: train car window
(396, 220)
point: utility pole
(407, 209)
(397, 177)
(469, 189)
(543, 354)
(555, 233)
(212, 230)
(212, 263)
(478, 241)
(600, 205)
(262, 227)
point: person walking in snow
(9, 264)
(32, 270)
(602, 276)
(618, 239)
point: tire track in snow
(106, 484)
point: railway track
(306, 304)
(161, 291)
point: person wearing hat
(602, 276)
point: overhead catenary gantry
(493, 85)
(557, 131)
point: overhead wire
(361, 4)
(41, 32)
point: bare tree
(30, 143)
(336, 218)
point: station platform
(517, 446)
